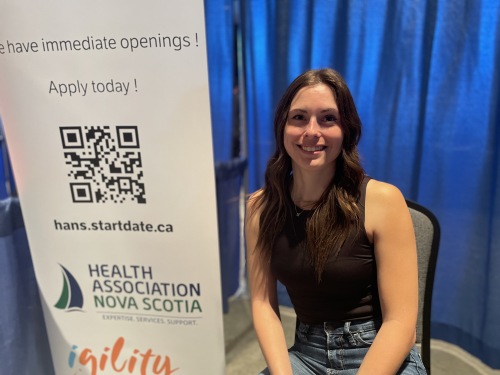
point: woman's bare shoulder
(254, 205)
(256, 194)
(384, 205)
(379, 192)
(254, 199)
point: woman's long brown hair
(336, 215)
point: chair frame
(425, 349)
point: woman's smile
(312, 148)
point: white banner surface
(106, 112)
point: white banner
(106, 112)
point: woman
(342, 243)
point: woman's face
(312, 135)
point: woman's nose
(312, 129)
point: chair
(427, 233)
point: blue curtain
(229, 168)
(219, 24)
(24, 347)
(425, 77)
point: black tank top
(348, 287)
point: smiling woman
(313, 136)
(341, 242)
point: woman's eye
(330, 118)
(298, 117)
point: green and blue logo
(71, 298)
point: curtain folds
(425, 79)
(219, 25)
(24, 345)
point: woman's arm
(388, 223)
(265, 310)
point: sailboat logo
(71, 298)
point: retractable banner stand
(105, 106)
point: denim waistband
(340, 328)
(318, 340)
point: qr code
(105, 163)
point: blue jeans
(339, 349)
